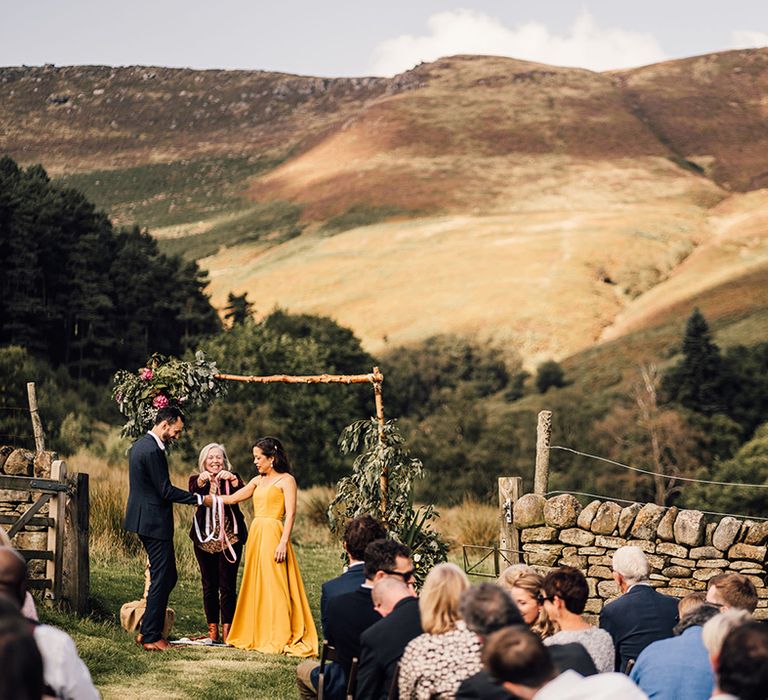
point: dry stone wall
(684, 549)
(20, 462)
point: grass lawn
(120, 669)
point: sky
(367, 37)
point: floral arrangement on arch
(164, 381)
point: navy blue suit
(349, 581)
(150, 514)
(638, 618)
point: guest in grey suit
(150, 514)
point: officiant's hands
(225, 475)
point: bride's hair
(272, 447)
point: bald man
(382, 644)
(63, 670)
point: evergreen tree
(699, 381)
(238, 309)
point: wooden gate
(59, 511)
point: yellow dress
(272, 613)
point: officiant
(218, 534)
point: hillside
(478, 195)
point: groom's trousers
(163, 577)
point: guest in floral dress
(435, 663)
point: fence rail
(497, 555)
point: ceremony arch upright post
(375, 377)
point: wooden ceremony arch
(375, 377)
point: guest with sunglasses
(350, 614)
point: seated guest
(350, 614)
(518, 659)
(524, 584)
(741, 668)
(384, 642)
(358, 534)
(28, 610)
(716, 630)
(689, 603)
(488, 608)
(732, 590)
(22, 676)
(641, 615)
(565, 594)
(436, 662)
(63, 670)
(658, 668)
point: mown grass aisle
(120, 669)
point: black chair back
(328, 653)
(352, 682)
(394, 689)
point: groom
(150, 515)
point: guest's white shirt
(570, 685)
(63, 670)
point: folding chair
(328, 653)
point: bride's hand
(280, 552)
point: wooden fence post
(543, 441)
(76, 570)
(510, 489)
(53, 568)
(37, 424)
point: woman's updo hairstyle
(272, 447)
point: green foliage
(58, 396)
(164, 382)
(238, 309)
(83, 296)
(549, 374)
(382, 449)
(307, 418)
(699, 381)
(748, 466)
(421, 378)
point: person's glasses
(541, 598)
(405, 575)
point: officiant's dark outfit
(150, 514)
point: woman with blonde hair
(218, 548)
(524, 585)
(435, 663)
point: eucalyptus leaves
(360, 492)
(162, 382)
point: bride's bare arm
(289, 498)
(242, 494)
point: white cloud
(463, 31)
(747, 39)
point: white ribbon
(215, 515)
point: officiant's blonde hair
(204, 455)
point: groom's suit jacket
(152, 495)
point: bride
(272, 613)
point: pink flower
(146, 374)
(160, 401)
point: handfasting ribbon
(213, 514)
